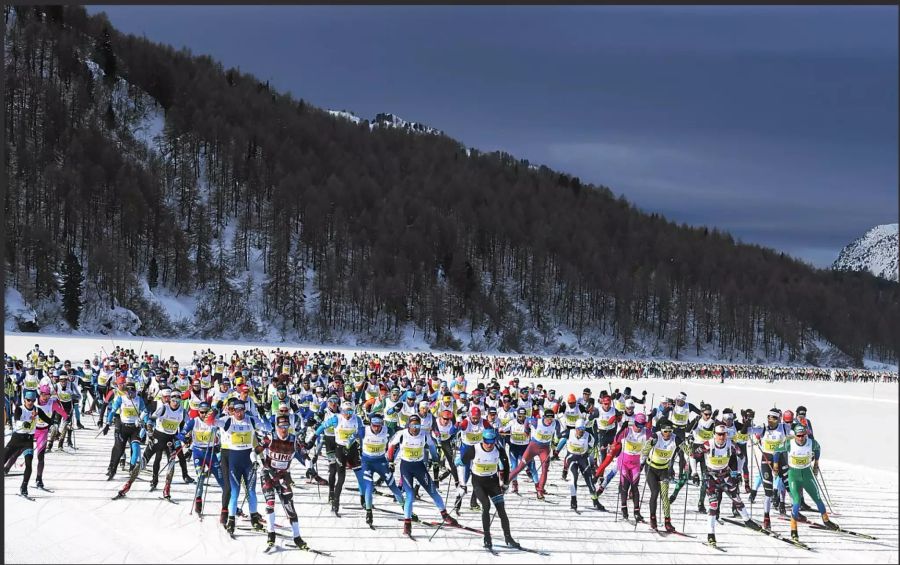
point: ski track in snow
(80, 523)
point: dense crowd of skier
(408, 423)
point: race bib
(485, 468)
(705, 435)
(473, 437)
(661, 456)
(799, 460)
(241, 439)
(633, 447)
(344, 434)
(544, 436)
(519, 436)
(170, 426)
(413, 453)
(718, 461)
(770, 445)
(129, 412)
(374, 449)
(202, 437)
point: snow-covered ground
(856, 424)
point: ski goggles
(415, 427)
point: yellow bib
(241, 438)
(129, 412)
(485, 468)
(170, 426)
(203, 437)
(412, 453)
(374, 448)
(519, 436)
(344, 434)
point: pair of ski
(496, 553)
(271, 548)
(771, 534)
(31, 498)
(839, 529)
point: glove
(643, 393)
(105, 429)
(148, 426)
(458, 461)
(734, 474)
(775, 467)
(816, 468)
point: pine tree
(72, 280)
(153, 273)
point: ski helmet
(640, 420)
(788, 417)
(571, 399)
(629, 404)
(44, 389)
(489, 436)
(721, 430)
(474, 412)
(579, 424)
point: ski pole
(199, 478)
(825, 487)
(687, 485)
(641, 503)
(824, 493)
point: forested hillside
(195, 200)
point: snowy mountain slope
(387, 120)
(860, 470)
(876, 252)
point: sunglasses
(707, 413)
(666, 430)
(801, 435)
(415, 427)
(282, 426)
(29, 400)
(721, 433)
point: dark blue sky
(778, 124)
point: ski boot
(152, 486)
(515, 487)
(79, 426)
(256, 522)
(701, 508)
(637, 516)
(695, 478)
(362, 501)
(510, 542)
(487, 542)
(198, 505)
(668, 524)
(653, 524)
(752, 496)
(298, 541)
(335, 507)
(752, 525)
(474, 506)
(270, 540)
(369, 518)
(223, 516)
(782, 509)
(711, 539)
(229, 525)
(448, 519)
(794, 535)
(565, 473)
(597, 505)
(767, 522)
(828, 523)
(24, 491)
(39, 484)
(806, 507)
(407, 527)
(624, 512)
(188, 480)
